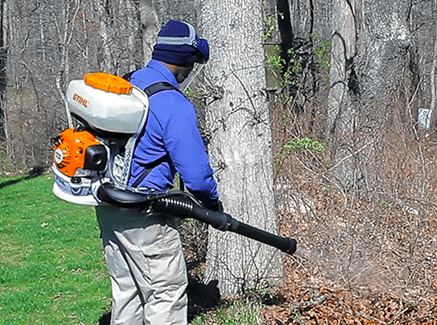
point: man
(144, 252)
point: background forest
(330, 103)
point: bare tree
(432, 114)
(3, 59)
(65, 33)
(240, 142)
(102, 7)
(134, 45)
(343, 47)
(370, 40)
(150, 24)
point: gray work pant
(146, 266)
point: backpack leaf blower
(91, 162)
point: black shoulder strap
(128, 75)
(158, 87)
(150, 91)
(148, 168)
(153, 88)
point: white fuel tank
(104, 107)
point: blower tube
(183, 206)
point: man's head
(178, 45)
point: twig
(399, 314)
(351, 155)
(311, 303)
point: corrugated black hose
(183, 205)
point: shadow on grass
(201, 299)
(34, 172)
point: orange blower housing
(79, 161)
(78, 151)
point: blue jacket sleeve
(186, 149)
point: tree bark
(106, 65)
(342, 51)
(3, 59)
(65, 33)
(302, 18)
(368, 55)
(240, 143)
(150, 24)
(432, 116)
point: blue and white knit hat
(178, 44)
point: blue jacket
(171, 140)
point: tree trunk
(432, 116)
(240, 143)
(106, 64)
(342, 50)
(302, 19)
(368, 54)
(65, 31)
(150, 27)
(3, 59)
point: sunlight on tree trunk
(240, 143)
(151, 25)
(369, 46)
(3, 58)
(102, 9)
(432, 115)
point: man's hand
(217, 206)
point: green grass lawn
(52, 268)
